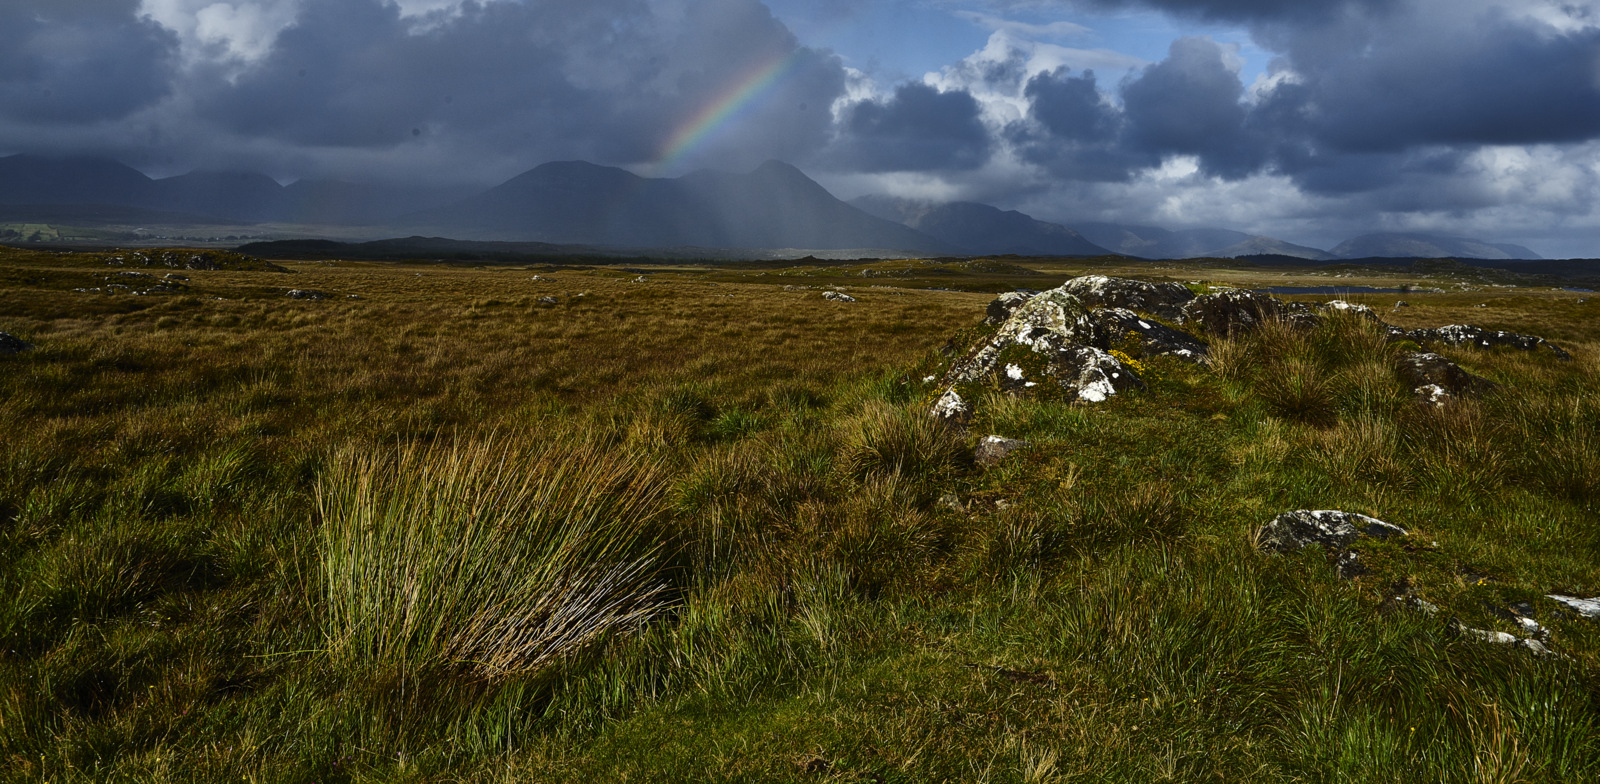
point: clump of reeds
(484, 556)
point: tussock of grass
(484, 555)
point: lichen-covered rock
(307, 294)
(1004, 305)
(837, 296)
(1163, 299)
(992, 449)
(951, 409)
(1468, 335)
(1229, 312)
(1091, 375)
(1053, 332)
(13, 345)
(1115, 326)
(1330, 528)
(1588, 608)
(1436, 380)
(1497, 638)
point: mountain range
(776, 206)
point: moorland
(693, 522)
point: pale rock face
(1057, 327)
(837, 296)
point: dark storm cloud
(919, 128)
(80, 61)
(1248, 10)
(1190, 103)
(1494, 82)
(606, 80)
(611, 81)
(1074, 132)
(1379, 96)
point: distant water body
(1330, 290)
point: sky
(1307, 120)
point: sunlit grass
(448, 532)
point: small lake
(1331, 290)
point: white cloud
(1061, 29)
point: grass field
(508, 524)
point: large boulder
(1227, 313)
(13, 345)
(1330, 528)
(1478, 337)
(1162, 299)
(1437, 380)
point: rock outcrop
(1046, 340)
(1478, 337)
(307, 294)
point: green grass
(447, 532)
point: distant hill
(573, 202)
(206, 196)
(35, 179)
(980, 228)
(1151, 242)
(1268, 246)
(1427, 246)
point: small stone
(1328, 527)
(640, 279)
(1401, 304)
(1436, 380)
(1588, 608)
(837, 296)
(993, 449)
(307, 294)
(547, 300)
(951, 409)
(951, 501)
(13, 345)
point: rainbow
(720, 112)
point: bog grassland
(514, 523)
